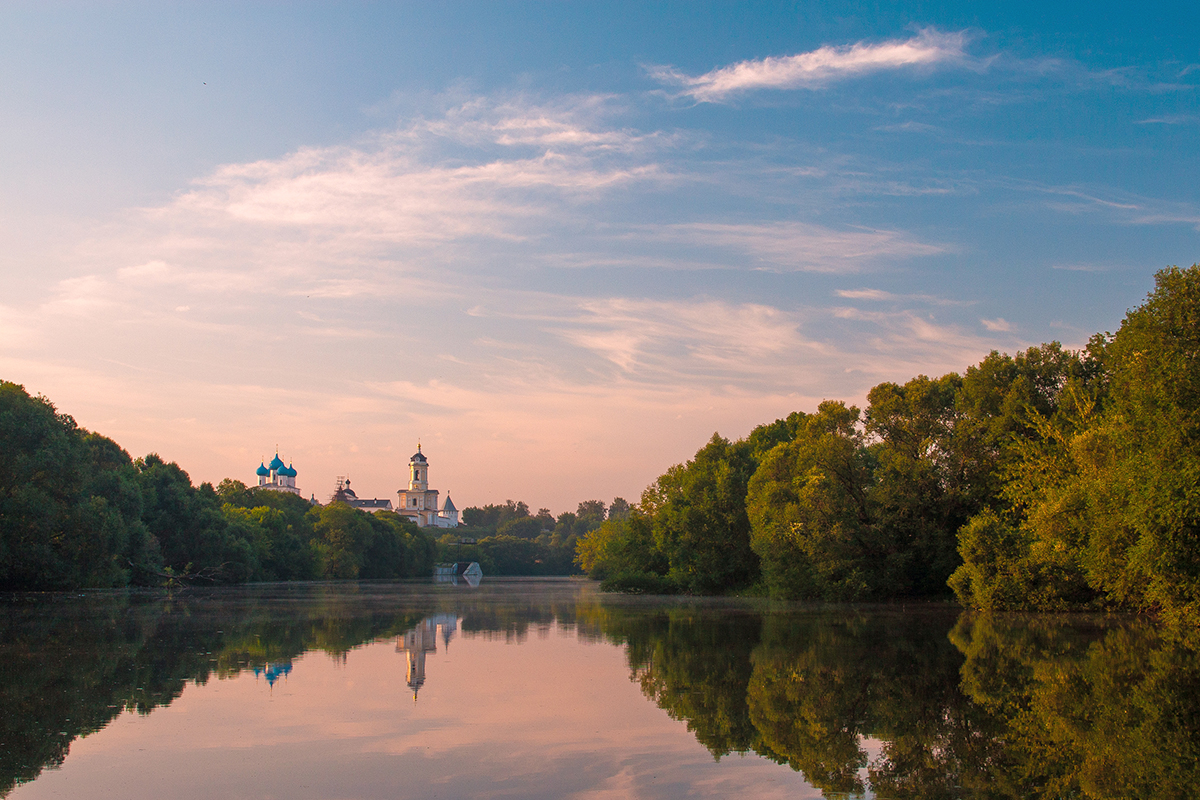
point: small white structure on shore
(468, 572)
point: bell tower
(418, 472)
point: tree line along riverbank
(1046, 480)
(77, 511)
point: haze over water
(544, 688)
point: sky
(562, 244)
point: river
(547, 688)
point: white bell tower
(418, 469)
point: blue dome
(262, 471)
(289, 471)
(276, 463)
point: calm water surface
(548, 689)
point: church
(420, 503)
(277, 476)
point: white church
(420, 503)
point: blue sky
(561, 244)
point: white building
(277, 476)
(420, 503)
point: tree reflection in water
(899, 702)
(959, 706)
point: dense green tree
(619, 508)
(192, 531)
(343, 537)
(1101, 499)
(284, 550)
(70, 502)
(521, 528)
(813, 521)
(493, 516)
(622, 547)
(697, 514)
(918, 499)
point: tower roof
(449, 506)
(417, 457)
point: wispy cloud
(880, 295)
(1080, 267)
(998, 325)
(819, 67)
(1171, 119)
(804, 246)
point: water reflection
(885, 702)
(421, 640)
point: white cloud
(1171, 119)
(804, 246)
(998, 325)
(866, 294)
(821, 66)
(1080, 267)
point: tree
(1104, 488)
(521, 528)
(813, 522)
(918, 497)
(70, 504)
(619, 508)
(190, 527)
(697, 513)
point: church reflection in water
(273, 671)
(421, 640)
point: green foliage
(639, 583)
(1102, 488)
(190, 526)
(813, 522)
(349, 543)
(277, 524)
(493, 516)
(919, 498)
(510, 555)
(549, 543)
(70, 503)
(697, 516)
(521, 528)
(619, 509)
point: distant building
(420, 503)
(277, 476)
(344, 494)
